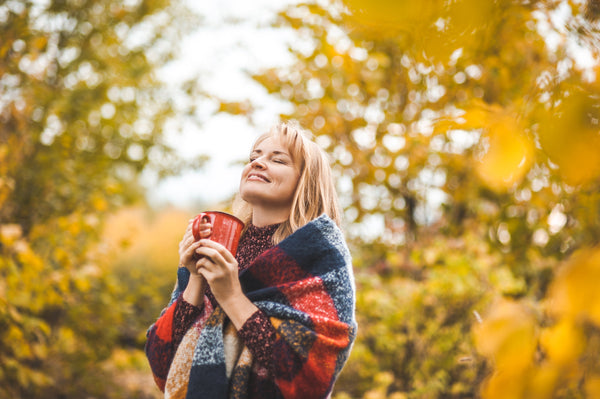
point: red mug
(226, 228)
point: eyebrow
(276, 152)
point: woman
(277, 320)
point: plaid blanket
(306, 288)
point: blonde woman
(277, 320)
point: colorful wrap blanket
(305, 286)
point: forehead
(271, 144)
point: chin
(249, 196)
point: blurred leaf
(507, 335)
(569, 133)
(574, 294)
(236, 107)
(394, 15)
(563, 342)
(450, 129)
(508, 156)
(81, 112)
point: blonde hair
(315, 193)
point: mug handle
(201, 218)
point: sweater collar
(262, 232)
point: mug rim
(223, 213)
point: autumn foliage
(465, 139)
(81, 114)
(464, 135)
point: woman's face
(269, 180)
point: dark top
(257, 333)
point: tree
(82, 114)
(458, 130)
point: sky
(220, 53)
(234, 38)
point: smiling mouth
(256, 177)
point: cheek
(242, 179)
(244, 173)
(293, 184)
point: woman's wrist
(194, 292)
(239, 309)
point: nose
(258, 163)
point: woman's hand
(194, 292)
(188, 246)
(220, 269)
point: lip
(257, 177)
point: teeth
(257, 177)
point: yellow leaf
(575, 293)
(592, 386)
(66, 340)
(398, 14)
(19, 344)
(236, 107)
(507, 335)
(503, 385)
(508, 153)
(39, 43)
(543, 381)
(477, 116)
(437, 27)
(563, 343)
(99, 203)
(570, 135)
(467, 15)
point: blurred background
(465, 140)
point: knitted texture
(305, 287)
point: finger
(185, 238)
(189, 239)
(188, 228)
(213, 255)
(185, 243)
(205, 230)
(204, 263)
(187, 235)
(208, 252)
(208, 274)
(188, 254)
(211, 269)
(224, 252)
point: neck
(264, 217)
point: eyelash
(274, 160)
